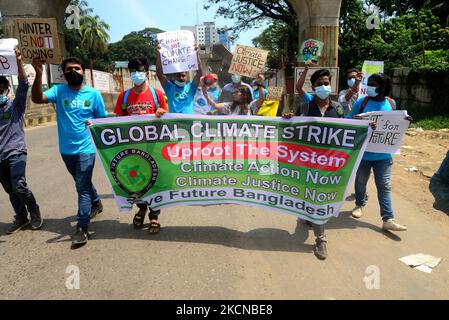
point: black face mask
(74, 78)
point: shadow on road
(258, 239)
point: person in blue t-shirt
(76, 104)
(379, 88)
(180, 93)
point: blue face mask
(351, 82)
(372, 92)
(180, 84)
(138, 78)
(323, 92)
(3, 100)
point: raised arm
(199, 73)
(211, 101)
(302, 80)
(36, 93)
(159, 70)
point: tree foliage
(136, 44)
(254, 13)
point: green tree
(277, 40)
(136, 44)
(254, 13)
(94, 37)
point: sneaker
(17, 225)
(358, 212)
(80, 237)
(321, 250)
(36, 220)
(96, 210)
(392, 225)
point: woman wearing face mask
(243, 105)
(348, 97)
(379, 88)
(142, 100)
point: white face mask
(236, 79)
(138, 77)
(180, 84)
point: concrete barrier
(37, 114)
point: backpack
(153, 93)
(365, 102)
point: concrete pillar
(12, 9)
(319, 19)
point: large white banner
(178, 51)
(8, 60)
(390, 132)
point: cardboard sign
(308, 84)
(38, 38)
(8, 60)
(390, 132)
(311, 50)
(248, 61)
(57, 75)
(178, 51)
(275, 93)
(369, 68)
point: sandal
(155, 227)
(139, 219)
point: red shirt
(139, 104)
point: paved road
(223, 252)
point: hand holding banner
(390, 132)
(178, 52)
(8, 60)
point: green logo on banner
(134, 171)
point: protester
(243, 104)
(209, 81)
(227, 94)
(320, 106)
(180, 93)
(379, 89)
(13, 152)
(76, 104)
(255, 87)
(348, 97)
(439, 186)
(142, 100)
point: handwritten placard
(369, 68)
(38, 38)
(311, 50)
(275, 93)
(8, 60)
(178, 51)
(248, 61)
(390, 132)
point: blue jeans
(81, 168)
(12, 178)
(382, 176)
